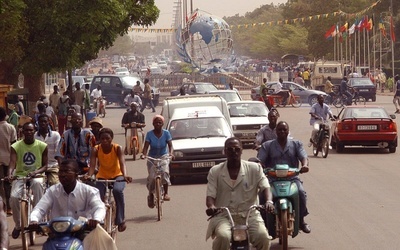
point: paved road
(353, 199)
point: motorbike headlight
(178, 153)
(45, 229)
(239, 234)
(61, 227)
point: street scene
(199, 125)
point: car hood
(247, 120)
(193, 143)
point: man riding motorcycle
(319, 112)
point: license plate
(364, 90)
(203, 164)
(367, 127)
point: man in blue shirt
(319, 113)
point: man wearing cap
(96, 124)
(132, 115)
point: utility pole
(391, 18)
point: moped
(285, 193)
(322, 143)
(63, 233)
(240, 232)
(101, 106)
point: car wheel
(392, 149)
(339, 147)
(312, 99)
(373, 98)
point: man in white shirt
(280, 91)
(70, 198)
(8, 137)
(96, 93)
(52, 139)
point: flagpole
(391, 16)
(374, 42)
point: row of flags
(361, 24)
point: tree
(63, 34)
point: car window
(115, 82)
(247, 109)
(365, 113)
(200, 127)
(106, 82)
(361, 82)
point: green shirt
(29, 157)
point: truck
(198, 135)
(323, 69)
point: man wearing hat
(132, 115)
(96, 124)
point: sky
(218, 8)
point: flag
(352, 29)
(370, 25)
(364, 23)
(382, 27)
(328, 34)
(336, 31)
(344, 27)
(359, 24)
(392, 35)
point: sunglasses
(233, 150)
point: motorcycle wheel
(103, 112)
(284, 229)
(296, 102)
(134, 150)
(325, 147)
(315, 150)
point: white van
(323, 69)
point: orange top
(109, 163)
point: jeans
(146, 101)
(5, 189)
(118, 192)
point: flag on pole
(344, 27)
(370, 25)
(352, 29)
(336, 31)
(382, 27)
(328, 34)
(392, 35)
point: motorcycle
(101, 106)
(240, 232)
(285, 193)
(63, 231)
(322, 143)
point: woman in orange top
(110, 159)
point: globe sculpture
(205, 39)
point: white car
(247, 117)
(122, 71)
(163, 64)
(156, 70)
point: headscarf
(158, 116)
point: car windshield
(204, 88)
(228, 96)
(360, 82)
(247, 109)
(365, 113)
(199, 128)
(123, 69)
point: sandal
(166, 197)
(122, 227)
(15, 233)
(150, 201)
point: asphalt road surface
(352, 198)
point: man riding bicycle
(319, 111)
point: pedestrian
(13, 117)
(263, 85)
(8, 137)
(54, 99)
(79, 97)
(29, 157)
(147, 96)
(307, 78)
(4, 239)
(396, 98)
(63, 106)
(235, 184)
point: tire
(24, 224)
(392, 149)
(325, 147)
(113, 226)
(315, 150)
(373, 98)
(108, 219)
(338, 102)
(284, 229)
(133, 149)
(103, 112)
(339, 147)
(296, 102)
(312, 99)
(158, 198)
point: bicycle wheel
(296, 101)
(24, 224)
(113, 216)
(158, 198)
(108, 219)
(338, 102)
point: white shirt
(83, 201)
(52, 140)
(8, 134)
(278, 87)
(96, 93)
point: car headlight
(178, 153)
(234, 127)
(61, 227)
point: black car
(364, 86)
(195, 88)
(116, 87)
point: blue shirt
(158, 146)
(321, 111)
(271, 153)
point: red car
(364, 126)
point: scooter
(63, 232)
(285, 193)
(322, 144)
(134, 139)
(240, 232)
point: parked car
(247, 117)
(123, 71)
(162, 64)
(195, 88)
(306, 95)
(364, 86)
(156, 70)
(364, 126)
(228, 95)
(116, 87)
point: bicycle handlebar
(108, 181)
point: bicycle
(157, 167)
(26, 207)
(109, 220)
(293, 100)
(134, 143)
